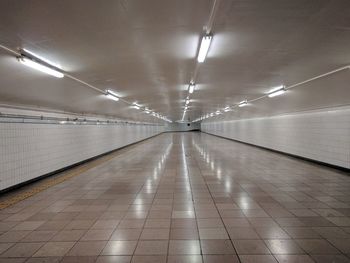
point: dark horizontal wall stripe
(339, 168)
(40, 177)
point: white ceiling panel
(146, 52)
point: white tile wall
(31, 150)
(323, 135)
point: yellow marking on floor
(54, 181)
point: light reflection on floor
(186, 197)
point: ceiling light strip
(285, 88)
(84, 83)
(276, 92)
(191, 87)
(112, 95)
(208, 29)
(204, 48)
(40, 67)
(39, 63)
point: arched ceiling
(146, 52)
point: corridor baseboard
(340, 168)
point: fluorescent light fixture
(136, 106)
(146, 111)
(35, 65)
(112, 95)
(204, 47)
(276, 88)
(41, 58)
(111, 92)
(187, 101)
(276, 91)
(227, 109)
(218, 112)
(191, 89)
(243, 103)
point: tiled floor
(186, 197)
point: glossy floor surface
(186, 197)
